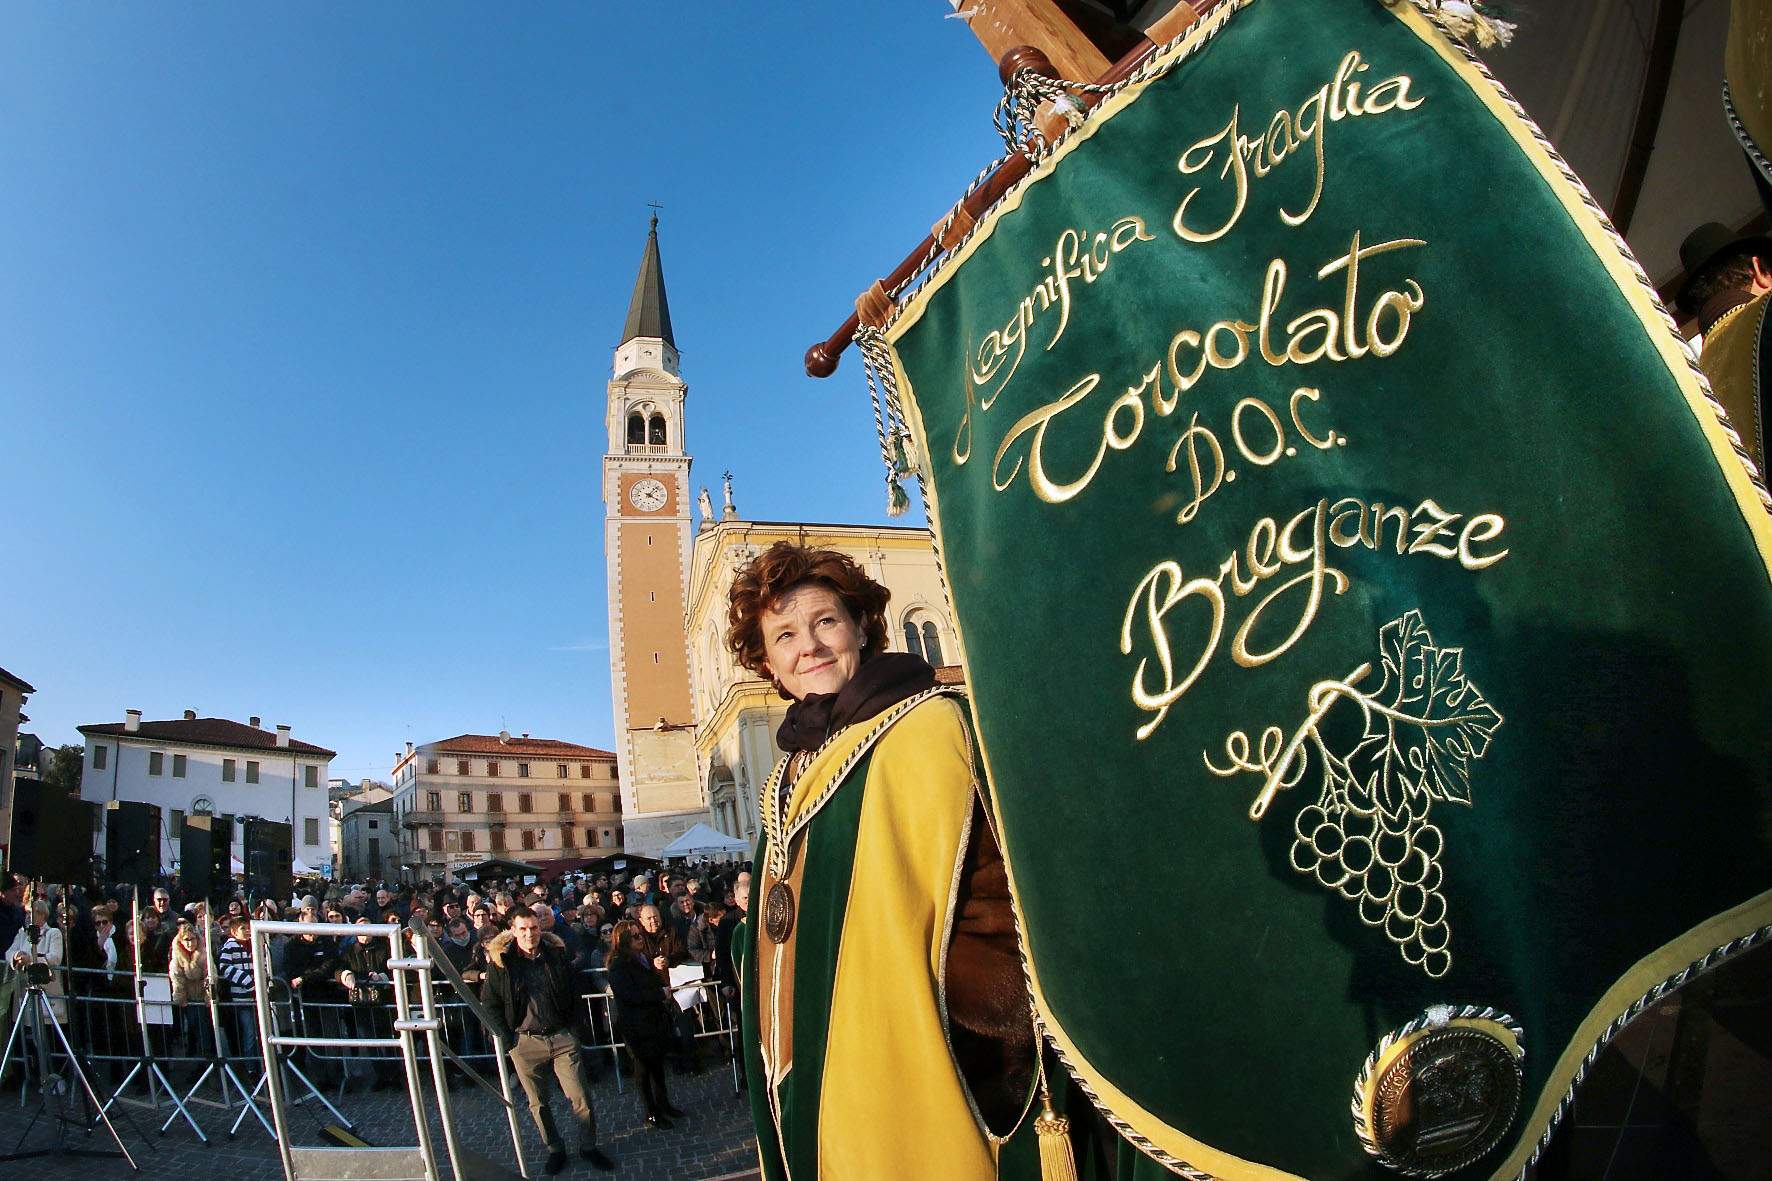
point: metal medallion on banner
(1440, 1093)
(778, 912)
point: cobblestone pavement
(714, 1140)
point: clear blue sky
(306, 312)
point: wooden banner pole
(822, 358)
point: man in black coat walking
(531, 993)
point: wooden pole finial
(1024, 57)
(821, 360)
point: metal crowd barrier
(330, 1042)
(102, 1024)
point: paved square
(713, 1140)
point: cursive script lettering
(1286, 134)
(1300, 548)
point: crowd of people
(605, 935)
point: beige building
(13, 692)
(476, 796)
(350, 853)
(737, 713)
(369, 849)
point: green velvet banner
(1363, 609)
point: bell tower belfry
(646, 539)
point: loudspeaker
(132, 841)
(51, 834)
(268, 856)
(204, 849)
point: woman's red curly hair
(781, 568)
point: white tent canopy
(299, 866)
(704, 841)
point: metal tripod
(36, 1008)
(146, 1066)
(218, 1065)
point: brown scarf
(877, 685)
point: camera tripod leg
(86, 1084)
(6, 1057)
(37, 1005)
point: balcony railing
(414, 819)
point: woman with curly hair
(892, 1037)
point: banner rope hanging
(889, 420)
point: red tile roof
(489, 744)
(207, 732)
(950, 674)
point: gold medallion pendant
(778, 912)
(1442, 1091)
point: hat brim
(1751, 244)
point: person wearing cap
(1727, 279)
(364, 976)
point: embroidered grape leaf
(1425, 723)
(1461, 723)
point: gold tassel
(1054, 1133)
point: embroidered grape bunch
(1388, 866)
(1369, 837)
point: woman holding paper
(643, 1017)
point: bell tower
(646, 539)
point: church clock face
(647, 495)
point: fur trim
(504, 940)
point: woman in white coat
(38, 942)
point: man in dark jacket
(531, 993)
(662, 943)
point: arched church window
(655, 431)
(636, 429)
(913, 642)
(931, 644)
